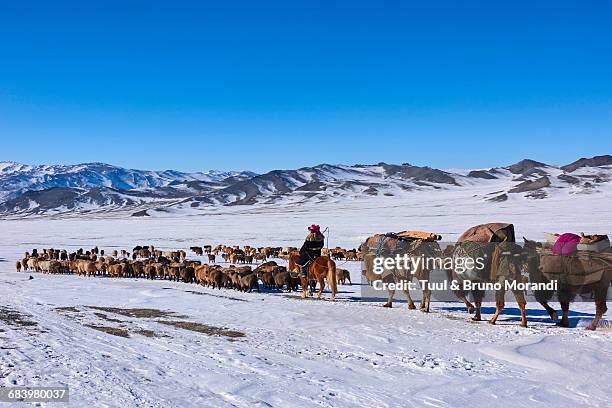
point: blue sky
(263, 85)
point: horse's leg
(321, 280)
(478, 295)
(331, 278)
(304, 283)
(390, 298)
(600, 309)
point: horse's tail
(331, 276)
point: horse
(319, 269)
(392, 245)
(578, 273)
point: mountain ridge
(99, 187)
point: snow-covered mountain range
(97, 187)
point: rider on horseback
(311, 249)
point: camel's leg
(477, 317)
(478, 295)
(499, 305)
(411, 305)
(565, 314)
(390, 299)
(468, 304)
(522, 304)
(601, 308)
(321, 286)
(425, 302)
(423, 275)
(551, 312)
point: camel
(494, 245)
(582, 272)
(390, 245)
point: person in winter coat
(311, 249)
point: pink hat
(314, 228)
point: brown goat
(342, 275)
(247, 283)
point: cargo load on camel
(484, 241)
(575, 260)
(422, 235)
(391, 244)
(583, 272)
(594, 243)
(580, 268)
(491, 232)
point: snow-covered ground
(273, 349)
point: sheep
(33, 264)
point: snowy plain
(350, 353)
